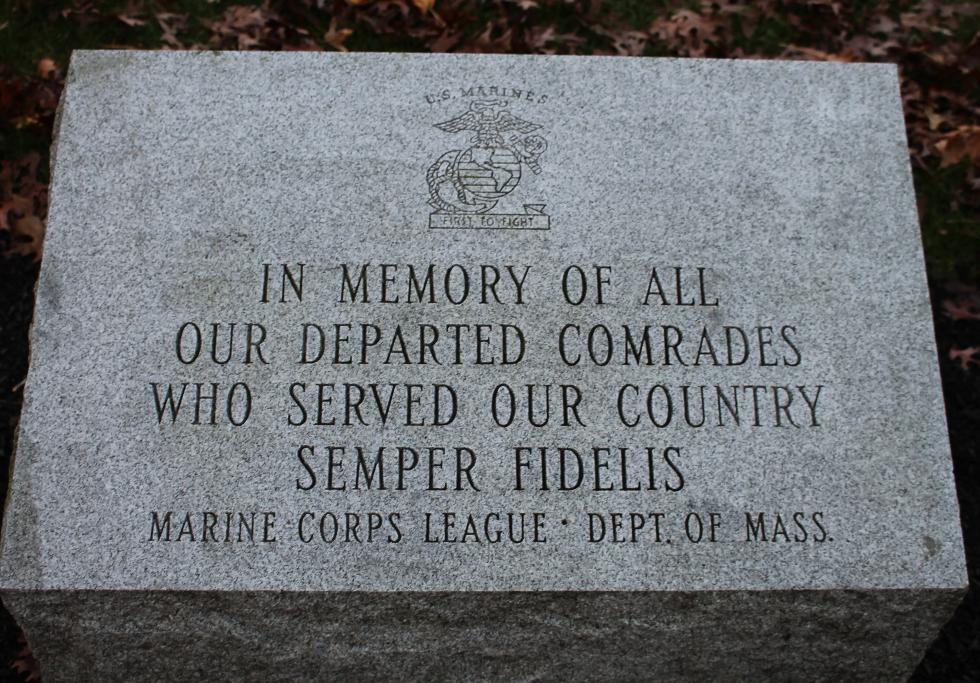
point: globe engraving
(489, 172)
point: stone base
(504, 636)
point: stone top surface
(772, 201)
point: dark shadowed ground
(955, 656)
(17, 277)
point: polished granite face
(452, 323)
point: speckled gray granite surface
(705, 277)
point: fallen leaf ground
(936, 44)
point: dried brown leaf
(923, 21)
(171, 24)
(335, 37)
(130, 15)
(46, 68)
(966, 357)
(446, 40)
(961, 309)
(23, 205)
(935, 119)
(962, 143)
(625, 42)
(28, 234)
(687, 32)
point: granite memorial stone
(480, 367)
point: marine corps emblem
(465, 185)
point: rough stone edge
(860, 635)
(16, 469)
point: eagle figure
(487, 123)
